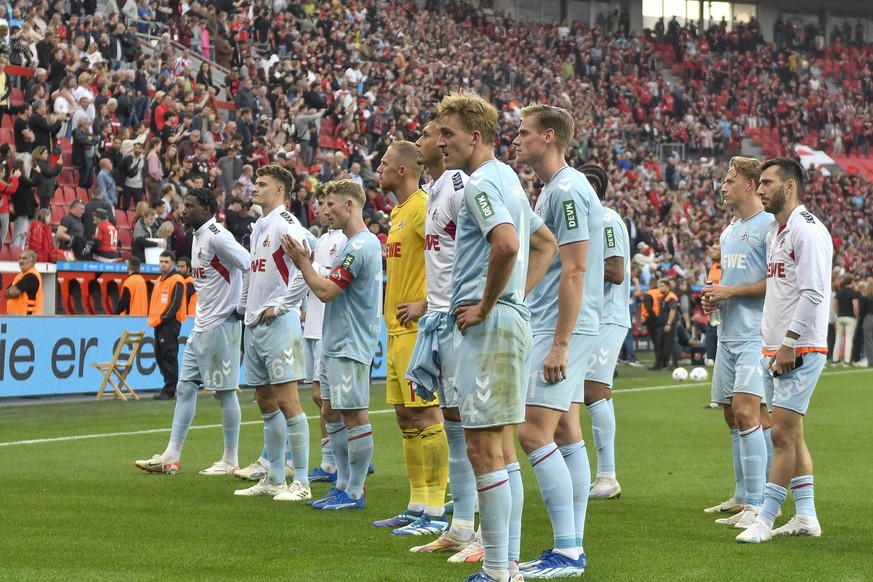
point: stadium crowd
(324, 89)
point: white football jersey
(326, 249)
(799, 259)
(273, 274)
(218, 263)
(445, 196)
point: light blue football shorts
(560, 395)
(491, 369)
(212, 357)
(737, 370)
(345, 383)
(601, 364)
(274, 352)
(793, 390)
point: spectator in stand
(71, 231)
(145, 234)
(154, 174)
(23, 135)
(39, 236)
(44, 176)
(83, 149)
(105, 247)
(134, 298)
(133, 171)
(8, 186)
(44, 128)
(106, 183)
(24, 204)
(97, 201)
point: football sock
(360, 455)
(603, 428)
(412, 458)
(298, 444)
(576, 459)
(739, 485)
(753, 456)
(339, 442)
(495, 501)
(555, 483)
(183, 416)
(275, 434)
(435, 454)
(804, 495)
(327, 461)
(230, 420)
(769, 443)
(774, 497)
(462, 479)
(516, 490)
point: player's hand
(469, 316)
(268, 315)
(707, 305)
(555, 364)
(783, 360)
(716, 293)
(298, 253)
(410, 312)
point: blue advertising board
(42, 356)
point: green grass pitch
(73, 506)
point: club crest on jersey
(570, 214)
(400, 226)
(199, 253)
(434, 214)
(483, 203)
(347, 262)
(745, 237)
(333, 252)
(266, 241)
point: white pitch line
(139, 432)
(386, 411)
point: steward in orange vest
(134, 298)
(184, 266)
(24, 296)
(166, 314)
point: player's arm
(543, 248)
(574, 264)
(716, 293)
(324, 288)
(613, 269)
(504, 250)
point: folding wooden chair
(120, 366)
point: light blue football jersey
(570, 208)
(353, 320)
(616, 243)
(492, 196)
(743, 262)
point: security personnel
(184, 267)
(134, 298)
(166, 314)
(650, 307)
(668, 317)
(24, 296)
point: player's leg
(183, 415)
(568, 436)
(721, 391)
(297, 443)
(516, 490)
(339, 440)
(350, 396)
(395, 387)
(598, 401)
(748, 393)
(259, 361)
(427, 421)
(219, 361)
(485, 451)
(791, 395)
(326, 471)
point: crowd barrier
(43, 356)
